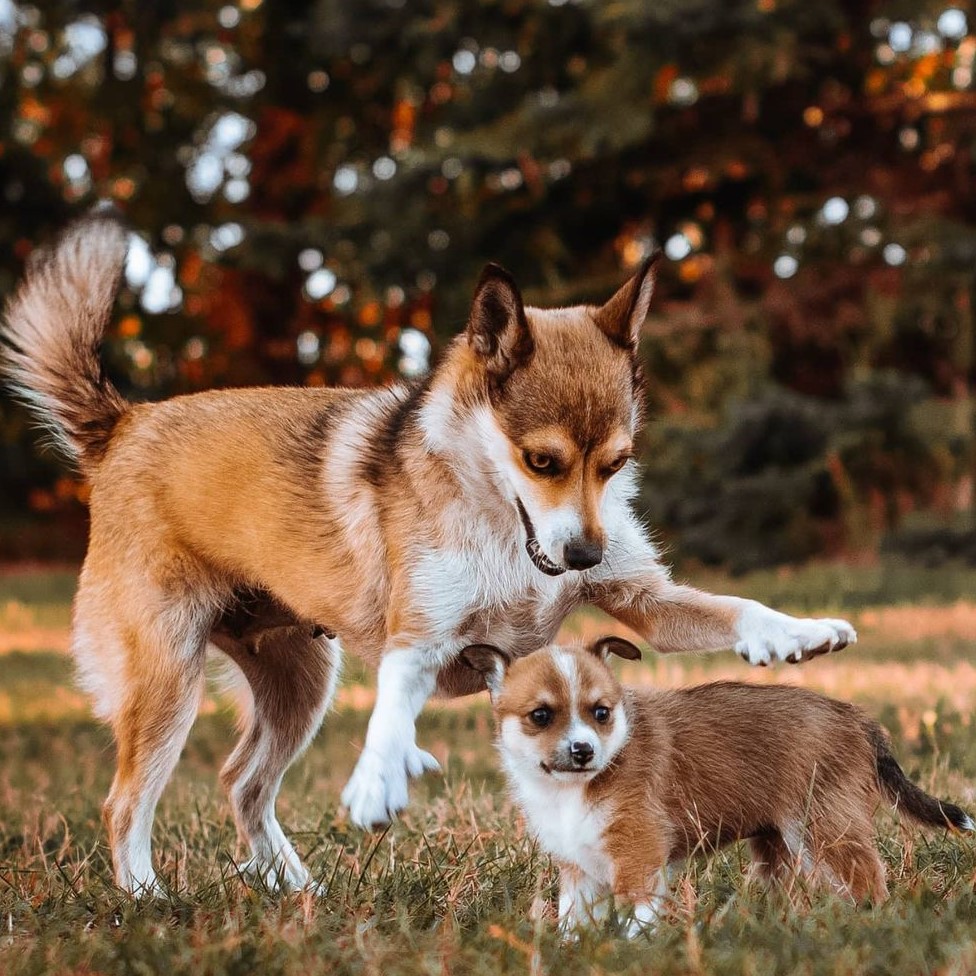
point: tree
(316, 186)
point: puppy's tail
(910, 799)
(51, 332)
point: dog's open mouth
(539, 559)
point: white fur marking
(377, 789)
(767, 635)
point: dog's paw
(149, 888)
(278, 877)
(766, 636)
(377, 790)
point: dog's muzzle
(539, 559)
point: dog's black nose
(581, 753)
(582, 554)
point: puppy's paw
(644, 920)
(377, 790)
(766, 636)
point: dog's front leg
(377, 789)
(635, 588)
(680, 618)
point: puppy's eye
(602, 714)
(540, 717)
(540, 463)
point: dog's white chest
(490, 592)
(566, 826)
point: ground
(456, 886)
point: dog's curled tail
(51, 333)
(910, 799)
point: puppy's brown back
(730, 760)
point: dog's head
(559, 710)
(564, 395)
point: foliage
(315, 186)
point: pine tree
(316, 186)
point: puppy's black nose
(581, 753)
(582, 554)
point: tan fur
(798, 774)
(398, 519)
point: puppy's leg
(377, 789)
(160, 701)
(838, 850)
(638, 847)
(582, 901)
(771, 858)
(634, 587)
(850, 863)
(291, 677)
(649, 904)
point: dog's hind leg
(159, 697)
(291, 673)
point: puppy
(617, 783)
(481, 504)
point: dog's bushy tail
(910, 799)
(51, 333)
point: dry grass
(456, 886)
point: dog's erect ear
(622, 318)
(606, 646)
(497, 328)
(492, 662)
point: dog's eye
(539, 462)
(602, 714)
(616, 464)
(540, 717)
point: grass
(456, 886)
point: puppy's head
(564, 396)
(559, 710)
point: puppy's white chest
(566, 826)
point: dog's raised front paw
(377, 790)
(766, 636)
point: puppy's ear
(622, 318)
(497, 328)
(606, 646)
(492, 662)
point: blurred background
(313, 188)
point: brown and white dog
(481, 504)
(618, 783)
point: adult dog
(478, 506)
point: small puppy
(617, 782)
